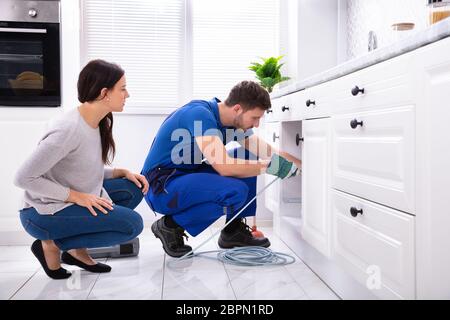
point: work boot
(240, 236)
(171, 238)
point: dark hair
(95, 76)
(249, 95)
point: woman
(72, 201)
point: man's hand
(281, 167)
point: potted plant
(268, 73)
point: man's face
(247, 119)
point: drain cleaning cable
(241, 256)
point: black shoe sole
(160, 237)
(231, 245)
(67, 258)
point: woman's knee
(132, 219)
(28, 219)
(124, 192)
(136, 194)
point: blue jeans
(196, 200)
(75, 227)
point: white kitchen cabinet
(272, 194)
(297, 105)
(320, 100)
(433, 171)
(284, 109)
(290, 205)
(279, 110)
(380, 215)
(316, 182)
(376, 245)
(374, 156)
(270, 113)
(20, 131)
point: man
(194, 180)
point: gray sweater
(69, 156)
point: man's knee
(236, 193)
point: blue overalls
(194, 194)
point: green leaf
(268, 73)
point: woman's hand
(137, 179)
(90, 202)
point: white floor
(148, 277)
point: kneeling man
(194, 180)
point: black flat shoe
(99, 267)
(38, 252)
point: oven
(30, 62)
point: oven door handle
(23, 30)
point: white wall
(379, 15)
(309, 37)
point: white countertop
(432, 34)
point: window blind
(227, 37)
(176, 50)
(146, 38)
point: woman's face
(117, 95)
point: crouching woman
(72, 200)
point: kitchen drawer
(283, 110)
(319, 101)
(375, 245)
(385, 84)
(280, 108)
(270, 114)
(376, 159)
(293, 107)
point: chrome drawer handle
(356, 90)
(354, 212)
(284, 108)
(355, 123)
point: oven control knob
(32, 13)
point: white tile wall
(379, 15)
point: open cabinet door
(316, 184)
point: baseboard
(15, 238)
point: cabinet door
(272, 194)
(374, 156)
(433, 171)
(315, 189)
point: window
(176, 50)
(227, 37)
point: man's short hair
(249, 95)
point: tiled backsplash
(378, 16)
